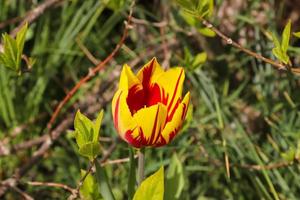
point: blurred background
(241, 139)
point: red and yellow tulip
(148, 109)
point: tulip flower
(148, 109)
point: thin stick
(141, 165)
(51, 184)
(23, 194)
(279, 66)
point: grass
(243, 109)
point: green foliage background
(243, 109)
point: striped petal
(161, 86)
(172, 127)
(150, 122)
(149, 71)
(128, 79)
(122, 117)
(171, 84)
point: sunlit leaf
(152, 188)
(199, 59)
(90, 150)
(97, 126)
(286, 37)
(83, 129)
(289, 155)
(13, 50)
(296, 34)
(88, 190)
(207, 32)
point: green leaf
(277, 51)
(152, 188)
(289, 155)
(9, 56)
(83, 128)
(276, 41)
(200, 8)
(131, 175)
(286, 37)
(207, 32)
(296, 34)
(116, 5)
(103, 185)
(20, 40)
(97, 126)
(188, 18)
(88, 190)
(199, 59)
(13, 50)
(90, 150)
(174, 179)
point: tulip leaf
(152, 188)
(174, 179)
(103, 184)
(88, 190)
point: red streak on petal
(133, 141)
(116, 114)
(153, 95)
(147, 72)
(135, 99)
(184, 111)
(171, 113)
(154, 128)
(175, 90)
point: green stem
(141, 165)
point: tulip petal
(128, 79)
(150, 121)
(123, 119)
(149, 71)
(161, 86)
(172, 127)
(171, 84)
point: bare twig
(145, 22)
(87, 53)
(22, 193)
(117, 161)
(229, 41)
(32, 15)
(9, 22)
(50, 184)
